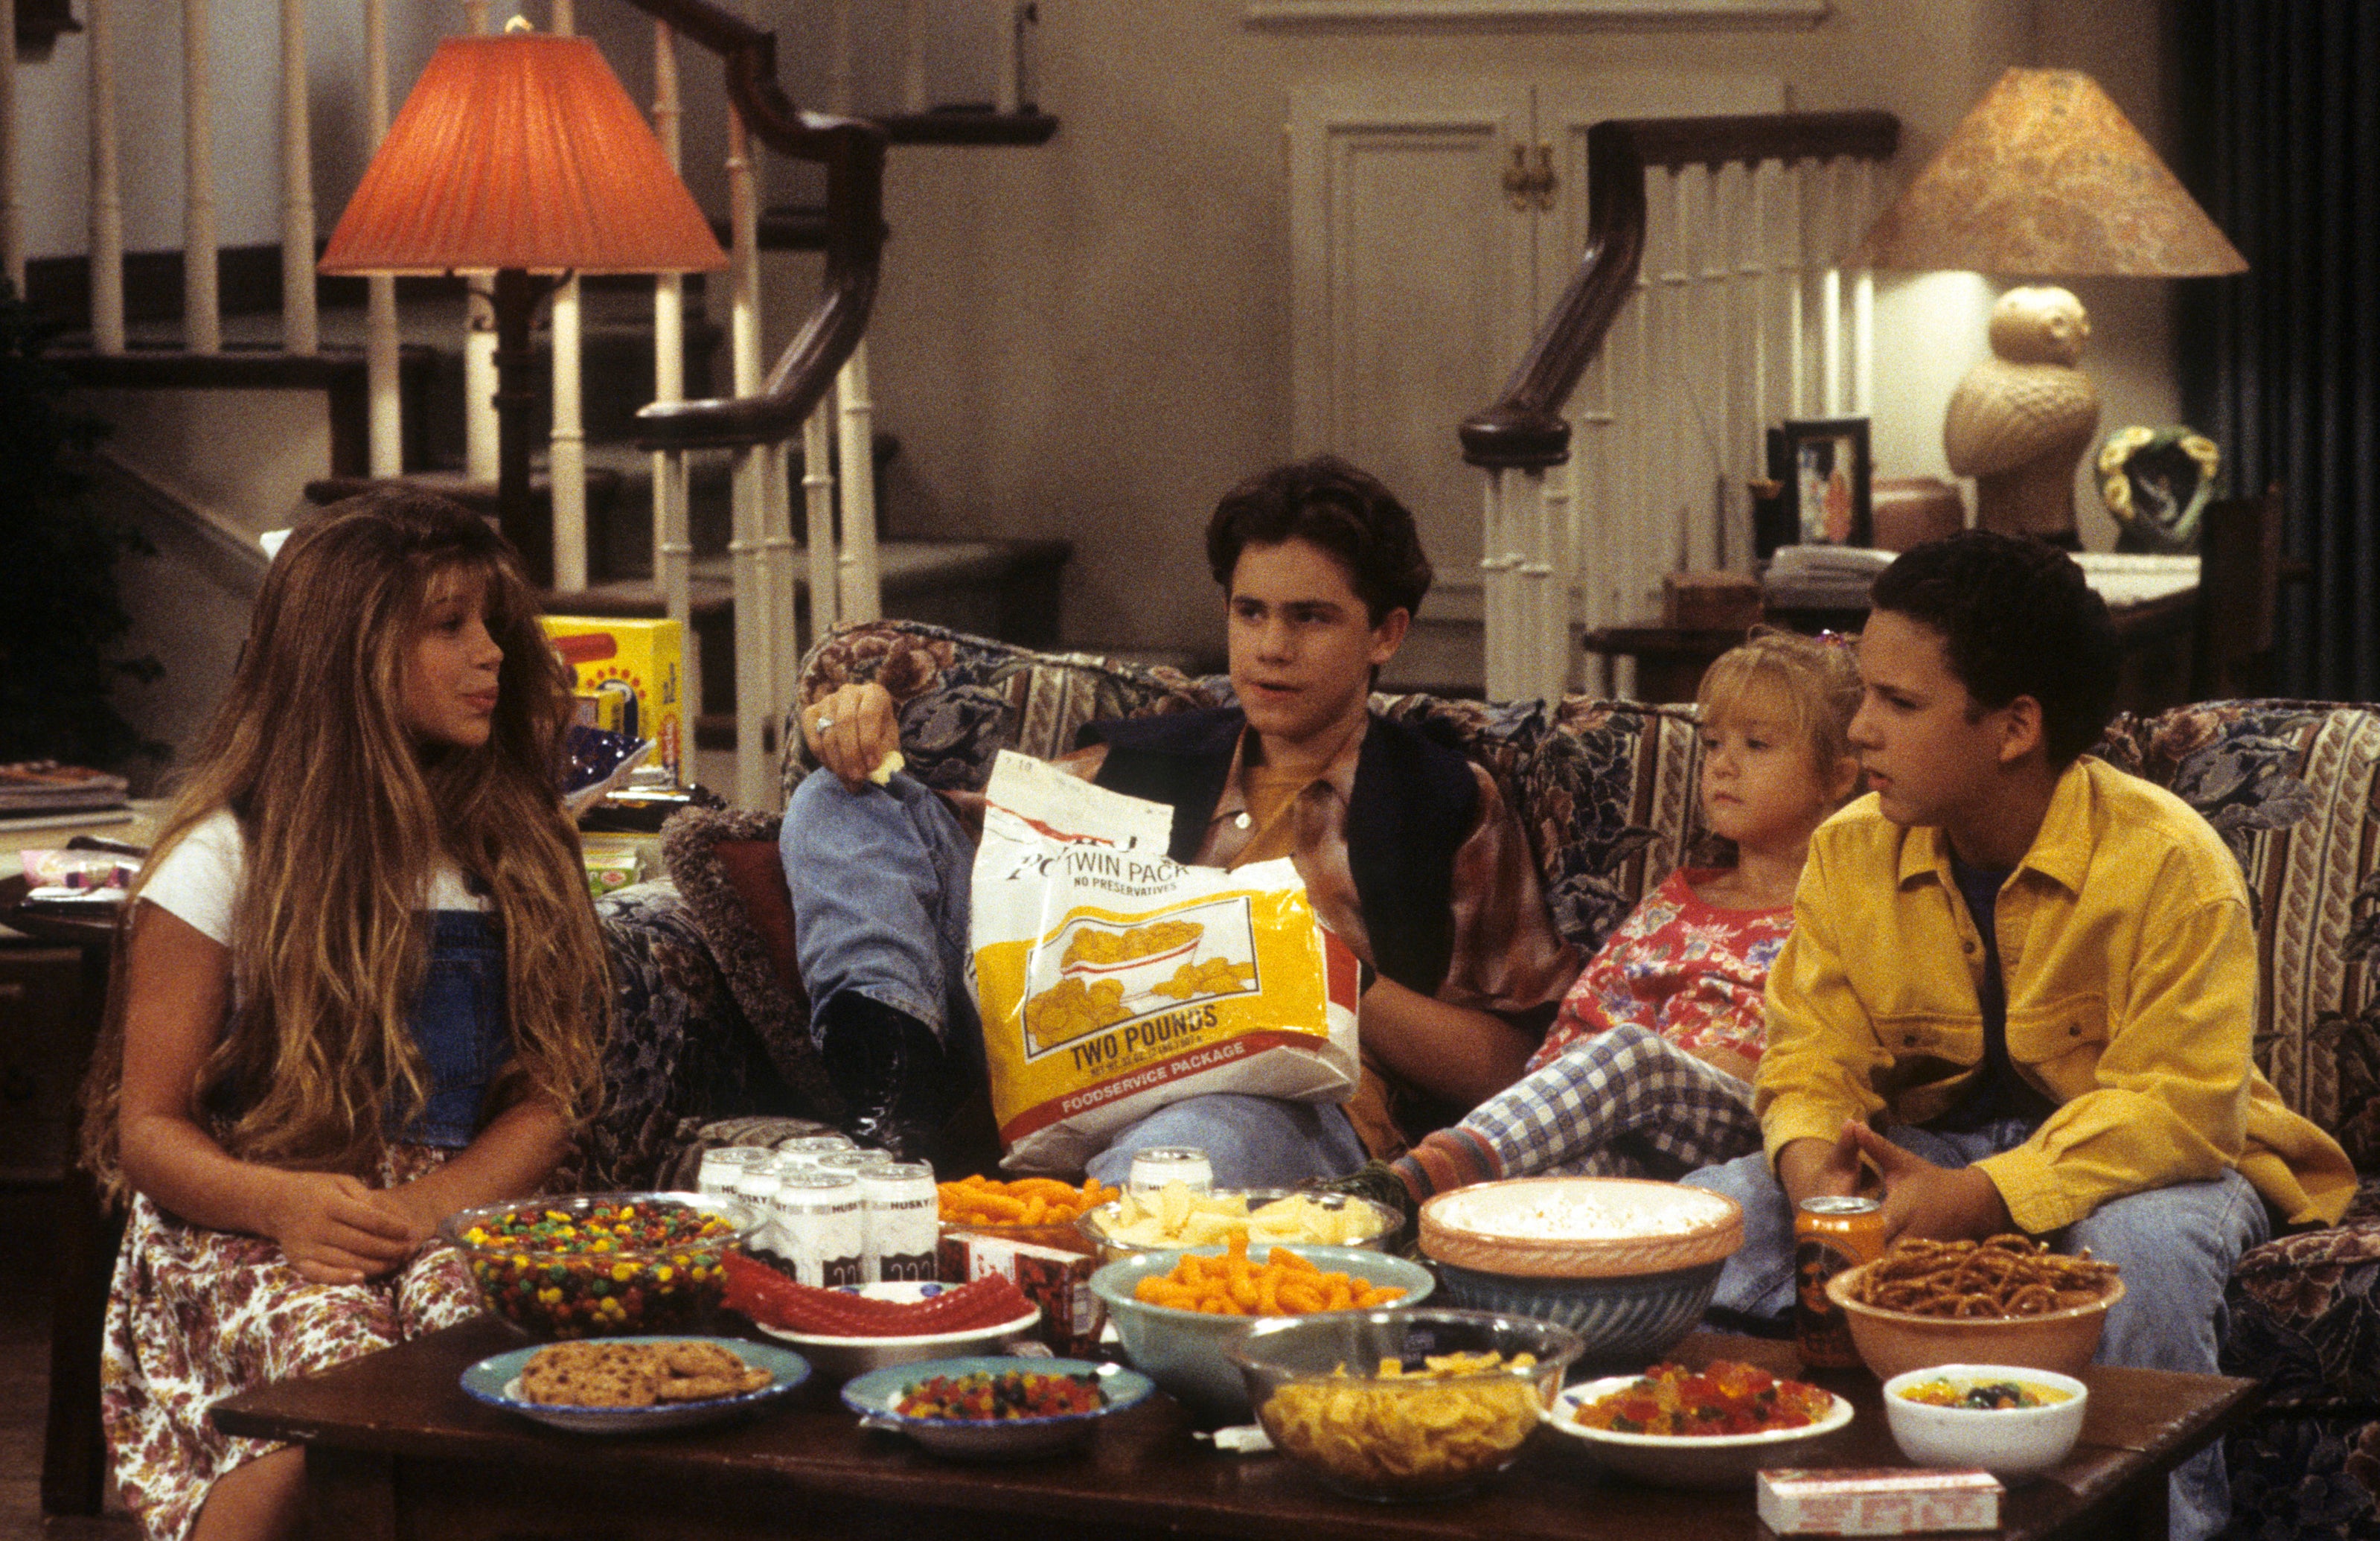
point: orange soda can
(1830, 1234)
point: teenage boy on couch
(2021, 984)
(1405, 847)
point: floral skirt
(196, 1316)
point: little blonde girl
(360, 986)
(1646, 1069)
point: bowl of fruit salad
(587, 1265)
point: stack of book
(44, 794)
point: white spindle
(301, 331)
(12, 214)
(1561, 560)
(839, 57)
(1862, 206)
(777, 604)
(559, 18)
(202, 313)
(913, 55)
(818, 502)
(1495, 589)
(756, 695)
(1737, 429)
(672, 544)
(479, 432)
(1767, 302)
(106, 184)
(1008, 56)
(386, 438)
(861, 589)
(1800, 398)
(1827, 218)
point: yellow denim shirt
(2130, 965)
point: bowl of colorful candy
(583, 1265)
(993, 1408)
(1711, 1428)
(2011, 1420)
(1174, 1311)
(1403, 1404)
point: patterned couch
(712, 1016)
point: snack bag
(1113, 980)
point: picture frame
(1828, 481)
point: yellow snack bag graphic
(1112, 980)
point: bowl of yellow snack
(1174, 1216)
(1174, 1311)
(1404, 1404)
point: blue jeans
(2176, 1246)
(879, 881)
(458, 1022)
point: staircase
(1005, 589)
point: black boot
(890, 1072)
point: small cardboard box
(1878, 1501)
(1710, 601)
(633, 672)
(1057, 1280)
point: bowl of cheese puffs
(1409, 1404)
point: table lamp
(2044, 179)
(520, 154)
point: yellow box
(641, 661)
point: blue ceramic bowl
(875, 1395)
(1636, 1318)
(1182, 1351)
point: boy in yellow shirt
(2020, 988)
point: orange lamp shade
(523, 151)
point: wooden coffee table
(393, 1448)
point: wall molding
(1509, 15)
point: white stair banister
(201, 311)
(300, 324)
(385, 433)
(860, 588)
(106, 184)
(817, 500)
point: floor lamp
(522, 156)
(2043, 178)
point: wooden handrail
(852, 151)
(1525, 427)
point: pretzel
(2007, 1274)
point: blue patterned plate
(496, 1381)
(873, 1396)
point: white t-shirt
(199, 879)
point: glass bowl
(1356, 1222)
(583, 1265)
(1319, 1386)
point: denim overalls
(457, 1021)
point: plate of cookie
(636, 1385)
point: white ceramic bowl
(2007, 1442)
(839, 1359)
(1712, 1461)
(873, 1396)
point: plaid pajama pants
(1624, 1103)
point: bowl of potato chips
(1404, 1404)
(1176, 1217)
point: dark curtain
(2280, 100)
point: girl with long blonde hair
(359, 985)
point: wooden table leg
(351, 1496)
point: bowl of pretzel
(2008, 1300)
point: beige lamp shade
(2046, 178)
(520, 152)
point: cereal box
(630, 678)
(1057, 1280)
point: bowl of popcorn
(1403, 1404)
(583, 1265)
(1174, 1311)
(1627, 1264)
(1175, 1217)
(2008, 1300)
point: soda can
(821, 1226)
(1830, 1234)
(1153, 1168)
(904, 1225)
(721, 1167)
(852, 1162)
